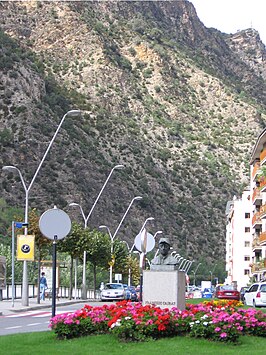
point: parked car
(113, 292)
(242, 292)
(227, 292)
(131, 293)
(256, 295)
(207, 293)
(138, 292)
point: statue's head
(164, 246)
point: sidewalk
(7, 308)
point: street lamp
(13, 169)
(211, 272)
(136, 198)
(130, 250)
(158, 232)
(144, 224)
(112, 237)
(112, 250)
(194, 272)
(142, 257)
(84, 288)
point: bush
(214, 320)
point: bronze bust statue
(164, 258)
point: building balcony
(256, 245)
(259, 266)
(263, 211)
(263, 157)
(262, 184)
(257, 197)
(262, 238)
(256, 220)
(255, 171)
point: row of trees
(98, 257)
(96, 244)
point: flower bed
(215, 320)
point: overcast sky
(229, 16)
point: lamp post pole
(211, 272)
(11, 168)
(112, 250)
(142, 258)
(129, 267)
(118, 227)
(112, 237)
(84, 286)
(195, 273)
(156, 233)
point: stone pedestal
(165, 289)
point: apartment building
(258, 191)
(239, 240)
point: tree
(72, 244)
(120, 255)
(42, 244)
(98, 249)
(131, 267)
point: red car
(227, 292)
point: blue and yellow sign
(25, 247)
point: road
(35, 321)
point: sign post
(17, 225)
(144, 242)
(54, 224)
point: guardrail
(63, 292)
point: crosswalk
(35, 314)
(28, 321)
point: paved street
(19, 319)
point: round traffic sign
(144, 241)
(55, 223)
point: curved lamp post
(13, 169)
(112, 237)
(211, 272)
(130, 250)
(194, 272)
(112, 250)
(137, 198)
(84, 287)
(158, 232)
(143, 257)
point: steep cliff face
(248, 45)
(170, 99)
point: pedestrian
(43, 286)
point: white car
(256, 295)
(113, 292)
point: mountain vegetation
(178, 104)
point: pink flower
(223, 335)
(217, 329)
(150, 321)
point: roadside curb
(41, 306)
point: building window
(246, 272)
(247, 229)
(247, 215)
(247, 258)
(247, 244)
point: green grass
(46, 343)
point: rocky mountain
(178, 104)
